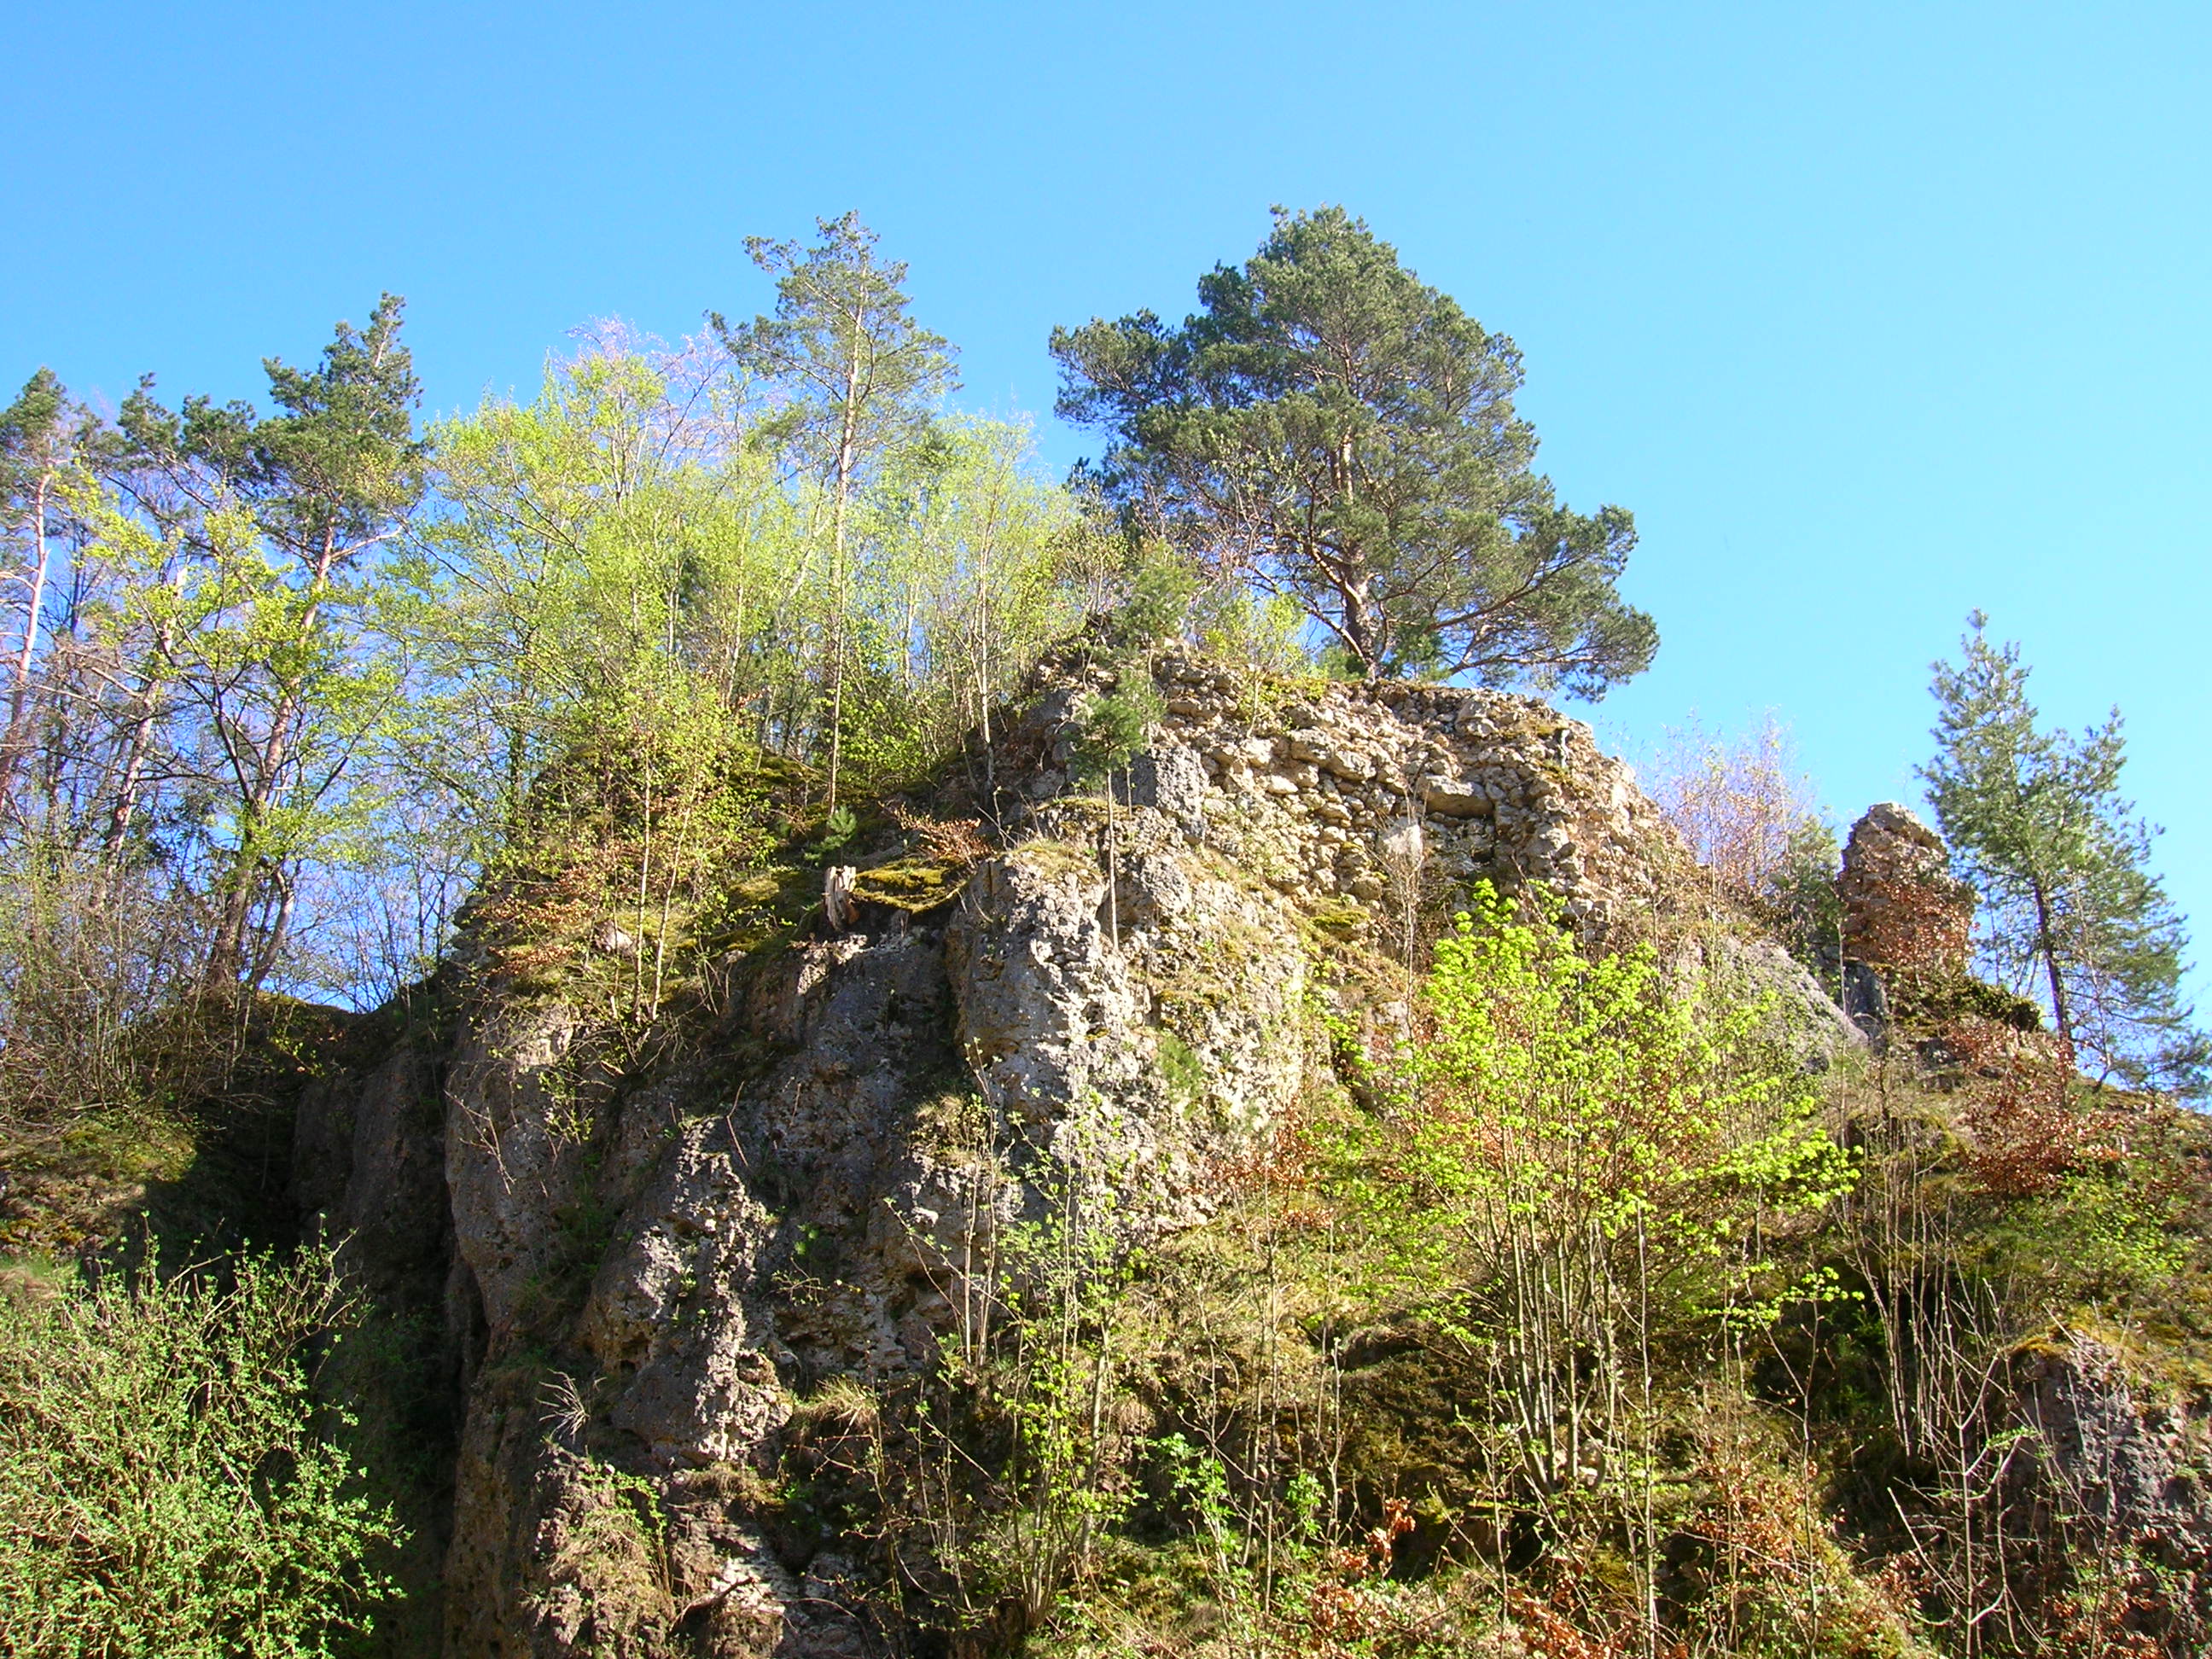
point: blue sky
(1873, 315)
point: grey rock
(635, 1277)
(1735, 971)
(2119, 1452)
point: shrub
(164, 1485)
(1578, 1173)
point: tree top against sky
(1333, 429)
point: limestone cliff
(628, 1254)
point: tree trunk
(146, 711)
(34, 602)
(227, 954)
(1359, 631)
(2047, 947)
(848, 443)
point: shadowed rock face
(2120, 1455)
(641, 1274)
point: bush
(164, 1488)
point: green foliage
(865, 372)
(598, 556)
(1256, 631)
(165, 1486)
(1562, 1103)
(860, 376)
(335, 466)
(1181, 1068)
(1579, 1180)
(1346, 437)
(1031, 1372)
(290, 676)
(838, 828)
(1945, 998)
(1157, 590)
(1562, 1326)
(645, 535)
(241, 549)
(1114, 727)
(1431, 1384)
(966, 573)
(2069, 905)
(613, 1557)
(2096, 1238)
(639, 857)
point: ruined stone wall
(1903, 910)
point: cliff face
(627, 1258)
(1329, 792)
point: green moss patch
(1946, 999)
(914, 885)
(1052, 858)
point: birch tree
(277, 513)
(859, 378)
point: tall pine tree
(2071, 910)
(1334, 430)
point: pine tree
(279, 514)
(1334, 430)
(2071, 910)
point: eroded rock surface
(1305, 791)
(653, 1262)
(1137, 1028)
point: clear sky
(1873, 314)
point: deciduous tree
(40, 434)
(274, 515)
(861, 377)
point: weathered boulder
(520, 1119)
(1135, 1028)
(1734, 971)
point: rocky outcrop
(1906, 935)
(1903, 910)
(643, 1264)
(369, 1160)
(1733, 970)
(1133, 1027)
(1307, 788)
(2122, 1456)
